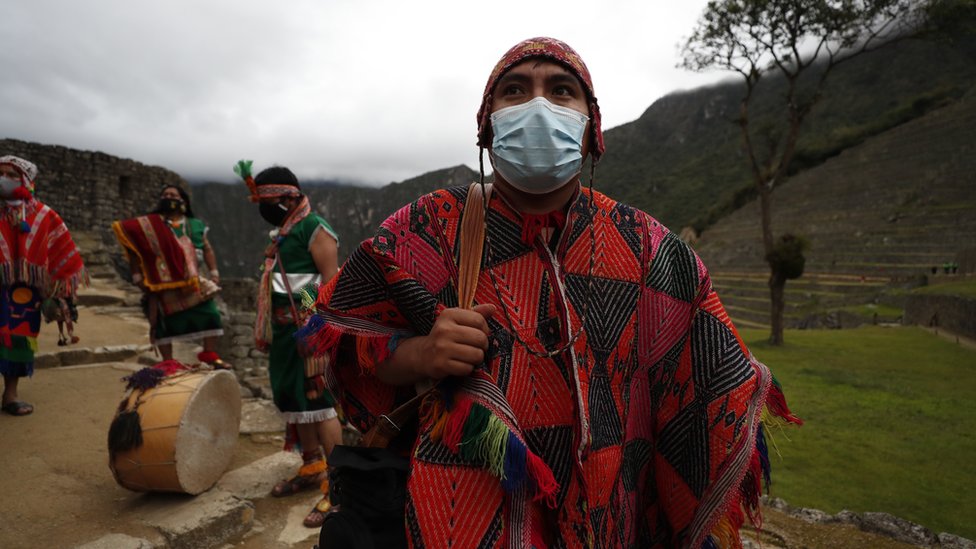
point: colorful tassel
(725, 535)
(493, 444)
(125, 432)
(170, 367)
(474, 427)
(454, 430)
(545, 483)
(515, 471)
(437, 431)
(243, 170)
(146, 378)
(763, 451)
(776, 403)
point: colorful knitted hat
(555, 50)
(28, 170)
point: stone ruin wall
(91, 189)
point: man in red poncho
(38, 260)
(597, 394)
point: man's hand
(455, 346)
(457, 342)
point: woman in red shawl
(597, 395)
(38, 260)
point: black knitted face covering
(273, 213)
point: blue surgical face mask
(537, 146)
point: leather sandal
(18, 408)
(309, 476)
(316, 516)
(295, 485)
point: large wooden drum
(190, 423)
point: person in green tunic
(187, 312)
(303, 253)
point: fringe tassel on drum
(125, 433)
(146, 378)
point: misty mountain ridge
(681, 161)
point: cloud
(367, 91)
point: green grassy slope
(890, 420)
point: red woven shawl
(165, 261)
(44, 256)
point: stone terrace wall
(237, 344)
(92, 189)
(956, 314)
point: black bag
(368, 486)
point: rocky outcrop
(883, 524)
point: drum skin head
(208, 433)
(190, 425)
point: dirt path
(57, 488)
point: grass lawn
(965, 287)
(890, 423)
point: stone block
(245, 318)
(256, 479)
(47, 360)
(951, 541)
(254, 353)
(74, 357)
(898, 529)
(260, 416)
(813, 516)
(117, 541)
(208, 520)
(118, 353)
(237, 352)
(242, 330)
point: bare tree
(789, 38)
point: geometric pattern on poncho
(647, 375)
(505, 240)
(369, 285)
(720, 368)
(605, 427)
(611, 303)
(685, 444)
(674, 270)
(625, 219)
(554, 441)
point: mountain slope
(682, 158)
(888, 210)
(239, 234)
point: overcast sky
(358, 90)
